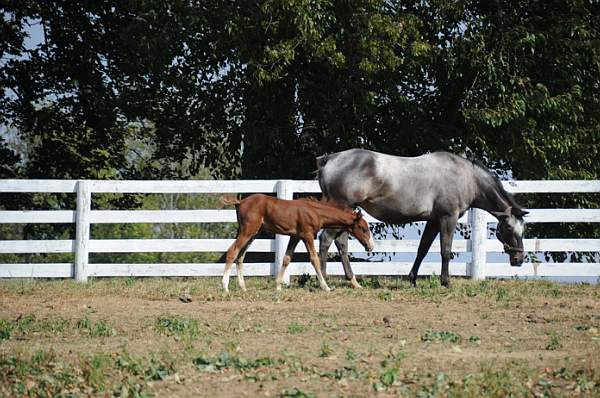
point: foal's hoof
(355, 284)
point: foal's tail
(229, 200)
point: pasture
(134, 337)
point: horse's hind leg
(232, 253)
(314, 259)
(325, 240)
(341, 242)
(286, 260)
(431, 230)
(239, 263)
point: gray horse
(437, 188)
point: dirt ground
(478, 338)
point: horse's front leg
(308, 240)
(325, 240)
(341, 242)
(447, 227)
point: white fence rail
(474, 250)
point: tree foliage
(258, 89)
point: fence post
(82, 230)
(284, 191)
(477, 219)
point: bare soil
(324, 344)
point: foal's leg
(325, 240)
(314, 259)
(447, 227)
(431, 230)
(239, 264)
(341, 242)
(286, 259)
(232, 253)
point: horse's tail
(229, 200)
(321, 162)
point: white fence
(475, 249)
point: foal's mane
(497, 184)
(326, 203)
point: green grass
(95, 329)
(295, 328)
(208, 289)
(443, 336)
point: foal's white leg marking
(317, 264)
(240, 274)
(354, 283)
(282, 269)
(226, 276)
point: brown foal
(300, 219)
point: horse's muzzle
(516, 263)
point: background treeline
(239, 89)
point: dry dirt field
(134, 337)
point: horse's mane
(497, 184)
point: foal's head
(510, 232)
(360, 229)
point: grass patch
(227, 361)
(295, 328)
(171, 325)
(443, 336)
(95, 329)
(553, 341)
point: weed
(371, 282)
(303, 280)
(102, 329)
(443, 336)
(6, 328)
(474, 339)
(388, 377)
(434, 282)
(385, 295)
(159, 369)
(295, 328)
(350, 355)
(501, 294)
(582, 328)
(228, 361)
(553, 341)
(83, 323)
(25, 323)
(129, 281)
(99, 329)
(177, 326)
(325, 350)
(296, 393)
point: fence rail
(475, 250)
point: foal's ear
(357, 215)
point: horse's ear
(519, 212)
(357, 215)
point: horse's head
(360, 229)
(510, 232)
